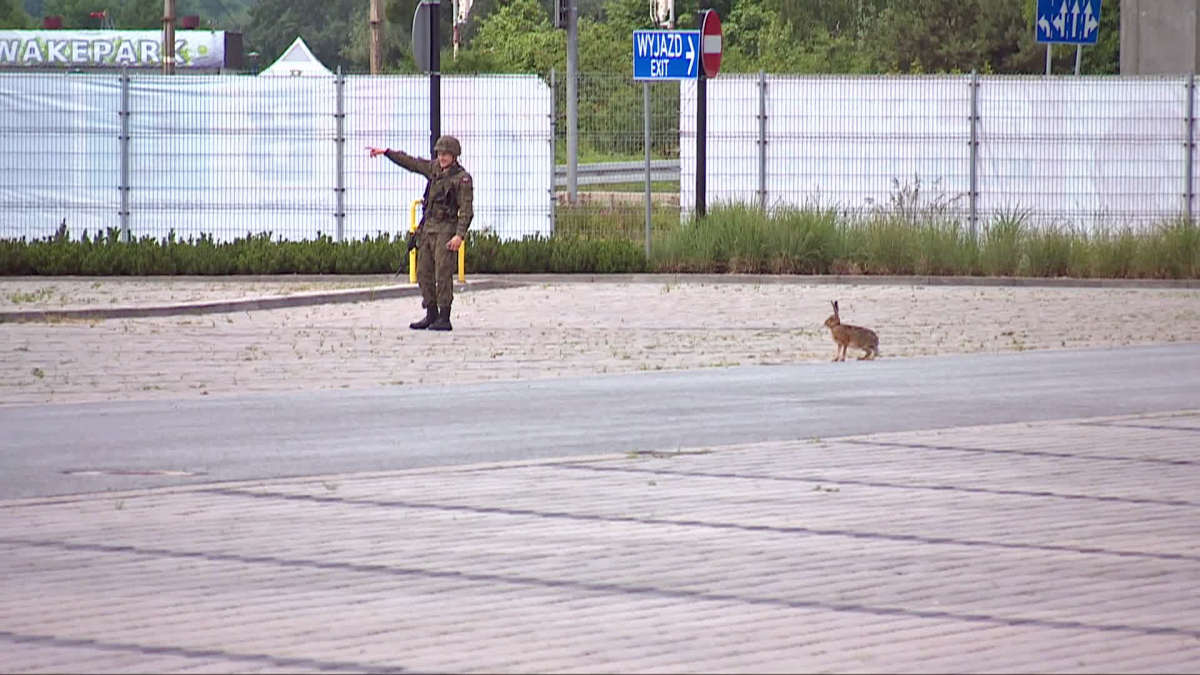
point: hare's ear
(835, 307)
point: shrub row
(108, 255)
(732, 238)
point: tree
(622, 17)
(13, 15)
(397, 46)
(125, 14)
(519, 38)
(138, 15)
(988, 35)
(326, 26)
(34, 8)
(219, 14)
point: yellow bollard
(462, 262)
(412, 255)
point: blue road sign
(1072, 22)
(666, 54)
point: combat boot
(431, 316)
(443, 320)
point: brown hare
(846, 335)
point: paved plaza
(1058, 546)
(1054, 547)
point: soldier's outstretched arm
(414, 164)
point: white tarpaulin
(297, 61)
(62, 154)
(503, 124)
(229, 156)
(1084, 151)
(200, 49)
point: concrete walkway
(1069, 546)
(192, 338)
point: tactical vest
(443, 202)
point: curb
(246, 305)
(851, 280)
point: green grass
(742, 239)
(621, 222)
(1001, 244)
(589, 155)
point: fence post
(573, 101)
(974, 196)
(553, 149)
(762, 140)
(1189, 153)
(340, 156)
(125, 147)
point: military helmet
(448, 144)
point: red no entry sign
(710, 43)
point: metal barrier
(615, 173)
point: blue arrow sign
(666, 54)
(1072, 22)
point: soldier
(449, 209)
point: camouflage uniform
(449, 209)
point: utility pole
(455, 20)
(435, 75)
(168, 37)
(376, 37)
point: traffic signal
(562, 13)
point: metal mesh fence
(857, 144)
(229, 156)
(1084, 153)
(611, 148)
(503, 124)
(1088, 152)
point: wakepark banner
(200, 49)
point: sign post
(427, 52)
(710, 41)
(1071, 22)
(662, 56)
(665, 55)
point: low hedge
(108, 255)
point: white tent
(297, 61)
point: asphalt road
(272, 436)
